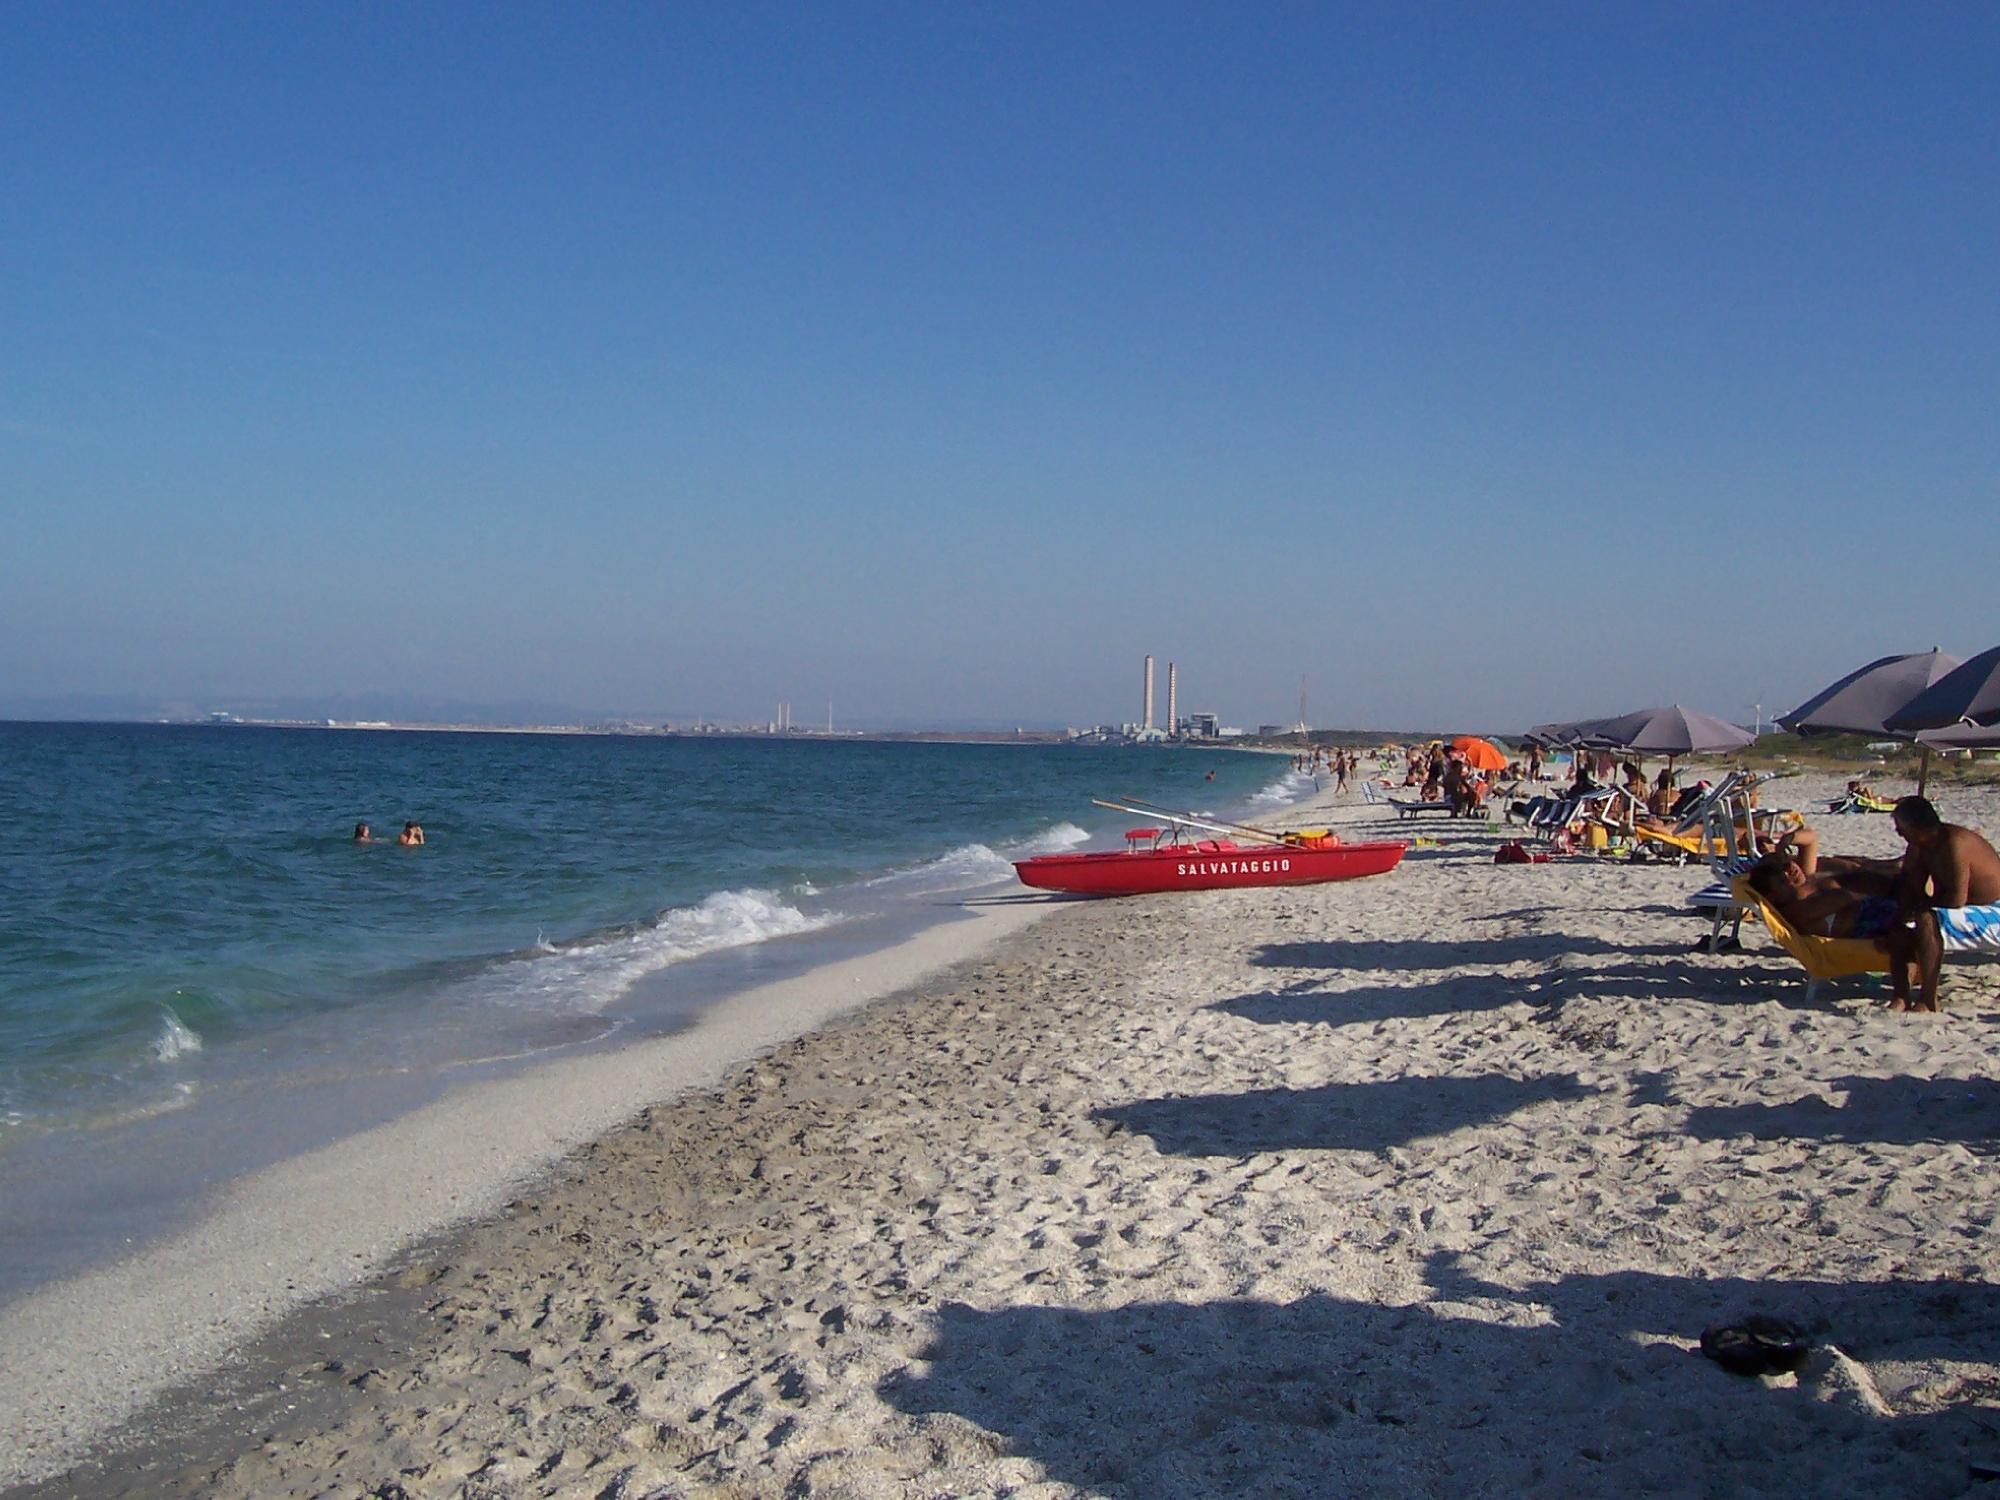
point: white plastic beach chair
(1726, 821)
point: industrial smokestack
(1149, 693)
(1173, 699)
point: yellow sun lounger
(1692, 844)
(1823, 958)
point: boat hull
(1207, 866)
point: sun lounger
(1724, 816)
(1691, 847)
(1825, 958)
(1417, 809)
(1822, 958)
(1688, 804)
(1528, 810)
(1683, 834)
(1557, 816)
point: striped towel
(1970, 929)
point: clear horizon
(1481, 367)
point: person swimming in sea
(411, 836)
(363, 834)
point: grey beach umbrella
(1961, 737)
(1563, 733)
(1669, 731)
(1968, 694)
(1865, 699)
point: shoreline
(1427, 1183)
(82, 1355)
(87, 1180)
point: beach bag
(1513, 852)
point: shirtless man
(1836, 895)
(1802, 843)
(1951, 882)
(1830, 903)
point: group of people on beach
(409, 838)
(1445, 775)
(1942, 895)
(1338, 764)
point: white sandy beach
(1420, 1185)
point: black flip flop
(1757, 1346)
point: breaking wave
(981, 864)
(589, 976)
(175, 1039)
(1293, 786)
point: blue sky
(1482, 364)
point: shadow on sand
(1732, 983)
(1432, 953)
(1333, 1116)
(1567, 1388)
(1369, 1003)
(1735, 983)
(1884, 1111)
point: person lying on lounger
(1802, 844)
(1826, 903)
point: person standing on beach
(1951, 886)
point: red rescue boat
(1156, 859)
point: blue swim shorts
(1875, 916)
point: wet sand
(1422, 1185)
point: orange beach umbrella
(1481, 755)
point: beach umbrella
(1481, 755)
(1968, 694)
(1564, 732)
(1962, 737)
(1668, 731)
(1672, 731)
(1965, 699)
(1865, 699)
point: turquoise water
(181, 907)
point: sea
(202, 973)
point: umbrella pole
(1923, 770)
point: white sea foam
(1287, 789)
(968, 864)
(981, 864)
(176, 1038)
(592, 975)
(1050, 841)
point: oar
(1142, 805)
(1176, 818)
(1142, 809)
(1187, 819)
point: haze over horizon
(1482, 366)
